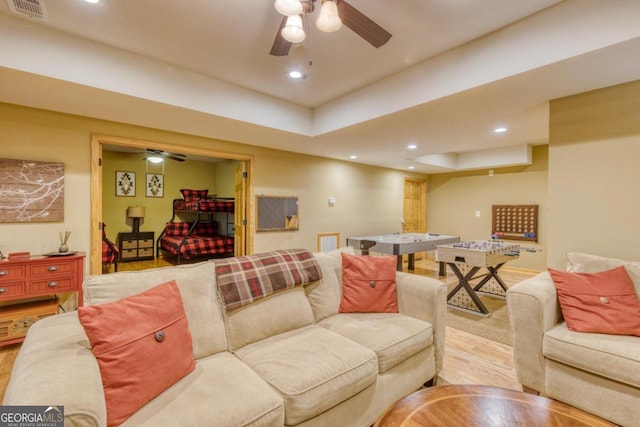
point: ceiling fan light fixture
(154, 159)
(288, 7)
(329, 20)
(293, 31)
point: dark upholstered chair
(110, 252)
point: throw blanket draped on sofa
(242, 280)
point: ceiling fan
(156, 156)
(360, 24)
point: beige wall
(454, 198)
(369, 199)
(594, 174)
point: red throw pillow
(142, 344)
(604, 302)
(368, 284)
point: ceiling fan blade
(178, 157)
(362, 25)
(280, 46)
(174, 156)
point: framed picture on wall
(125, 184)
(155, 185)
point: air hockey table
(400, 244)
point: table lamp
(135, 212)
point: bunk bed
(194, 230)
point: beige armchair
(597, 373)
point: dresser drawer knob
(3, 272)
(52, 284)
(52, 268)
(3, 290)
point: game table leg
(464, 286)
(412, 262)
(442, 268)
(493, 273)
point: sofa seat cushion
(312, 368)
(221, 390)
(612, 356)
(393, 337)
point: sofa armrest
(533, 310)
(55, 366)
(425, 299)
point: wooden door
(240, 217)
(415, 207)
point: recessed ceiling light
(296, 74)
(412, 167)
(500, 129)
(353, 157)
(412, 146)
(92, 1)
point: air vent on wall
(30, 8)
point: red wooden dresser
(33, 277)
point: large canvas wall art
(31, 191)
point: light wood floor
(469, 359)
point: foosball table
(465, 260)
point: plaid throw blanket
(242, 280)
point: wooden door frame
(97, 142)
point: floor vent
(30, 8)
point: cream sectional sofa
(288, 359)
(597, 373)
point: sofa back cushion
(280, 312)
(326, 293)
(262, 293)
(578, 262)
(197, 288)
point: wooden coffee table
(483, 406)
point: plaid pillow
(177, 228)
(193, 194)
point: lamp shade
(329, 20)
(135, 212)
(288, 7)
(293, 31)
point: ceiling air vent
(30, 8)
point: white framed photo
(125, 184)
(155, 185)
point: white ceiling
(452, 70)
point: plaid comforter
(197, 246)
(204, 205)
(242, 280)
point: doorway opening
(241, 187)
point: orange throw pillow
(142, 344)
(605, 302)
(368, 284)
